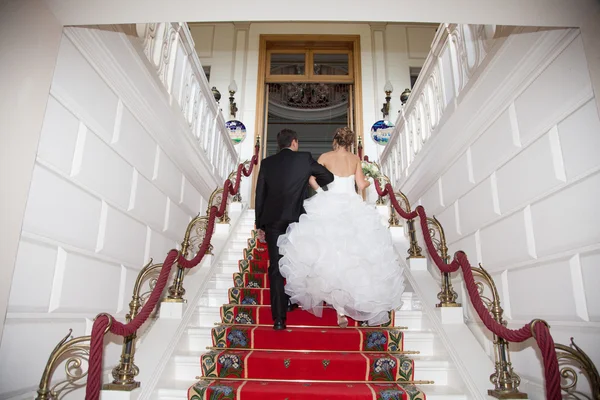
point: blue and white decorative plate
(237, 130)
(381, 131)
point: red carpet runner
(312, 359)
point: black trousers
(279, 300)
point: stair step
(411, 319)
(187, 367)
(430, 364)
(199, 338)
(179, 391)
(216, 297)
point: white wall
(521, 198)
(104, 198)
(387, 52)
(29, 40)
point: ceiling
(562, 13)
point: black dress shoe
(292, 307)
(279, 325)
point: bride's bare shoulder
(325, 156)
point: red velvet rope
(105, 322)
(540, 331)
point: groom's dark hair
(285, 137)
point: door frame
(311, 41)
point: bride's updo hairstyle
(343, 137)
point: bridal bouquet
(371, 170)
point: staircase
(409, 331)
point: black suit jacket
(282, 186)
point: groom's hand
(261, 235)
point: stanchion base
(119, 392)
(507, 395)
(171, 310)
(221, 229)
(417, 264)
(452, 315)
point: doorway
(310, 84)
(313, 110)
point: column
(29, 40)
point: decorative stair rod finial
(125, 372)
(506, 381)
(447, 295)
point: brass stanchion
(125, 372)
(198, 226)
(215, 199)
(506, 381)
(447, 295)
(393, 221)
(237, 198)
(414, 251)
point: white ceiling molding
(557, 13)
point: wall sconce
(232, 106)
(388, 89)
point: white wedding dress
(341, 254)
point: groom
(280, 191)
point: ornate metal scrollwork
(237, 198)
(194, 237)
(74, 352)
(192, 241)
(215, 200)
(573, 356)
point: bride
(339, 252)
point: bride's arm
(312, 181)
(359, 176)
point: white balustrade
(170, 49)
(457, 52)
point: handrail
(539, 331)
(170, 49)
(458, 52)
(105, 323)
